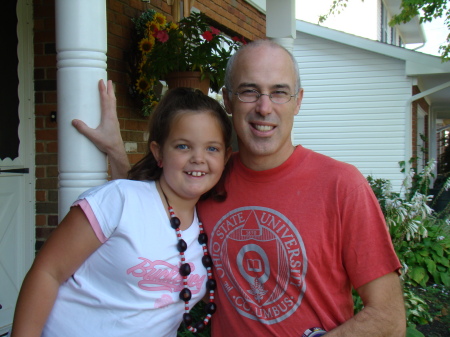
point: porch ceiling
(439, 100)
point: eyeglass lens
(250, 96)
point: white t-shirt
(130, 286)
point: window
(393, 35)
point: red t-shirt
(289, 243)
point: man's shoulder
(325, 160)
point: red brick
(51, 73)
(38, 98)
(44, 232)
(52, 147)
(134, 158)
(40, 172)
(50, 97)
(45, 60)
(47, 134)
(115, 6)
(39, 147)
(41, 220)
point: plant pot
(189, 79)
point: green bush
(421, 237)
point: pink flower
(162, 36)
(208, 36)
(214, 31)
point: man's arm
(107, 135)
(383, 314)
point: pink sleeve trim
(92, 219)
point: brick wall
(46, 129)
(235, 15)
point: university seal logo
(260, 259)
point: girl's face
(193, 156)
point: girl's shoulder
(120, 186)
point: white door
(17, 188)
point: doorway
(17, 187)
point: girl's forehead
(188, 120)
(187, 114)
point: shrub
(421, 237)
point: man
(298, 230)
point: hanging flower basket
(189, 79)
(162, 48)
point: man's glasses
(251, 96)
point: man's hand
(107, 135)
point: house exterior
(358, 107)
(368, 103)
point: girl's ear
(156, 151)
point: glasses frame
(259, 95)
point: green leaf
(444, 261)
(425, 280)
(438, 249)
(437, 277)
(413, 332)
(419, 259)
(424, 252)
(446, 279)
(417, 274)
(431, 266)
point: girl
(130, 258)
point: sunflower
(160, 19)
(146, 44)
(172, 26)
(142, 85)
(152, 27)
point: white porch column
(432, 137)
(280, 22)
(81, 60)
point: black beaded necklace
(185, 270)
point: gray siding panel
(354, 106)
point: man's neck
(262, 163)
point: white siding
(353, 107)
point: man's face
(263, 127)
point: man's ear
(298, 101)
(156, 150)
(226, 101)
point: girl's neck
(183, 208)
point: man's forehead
(264, 85)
